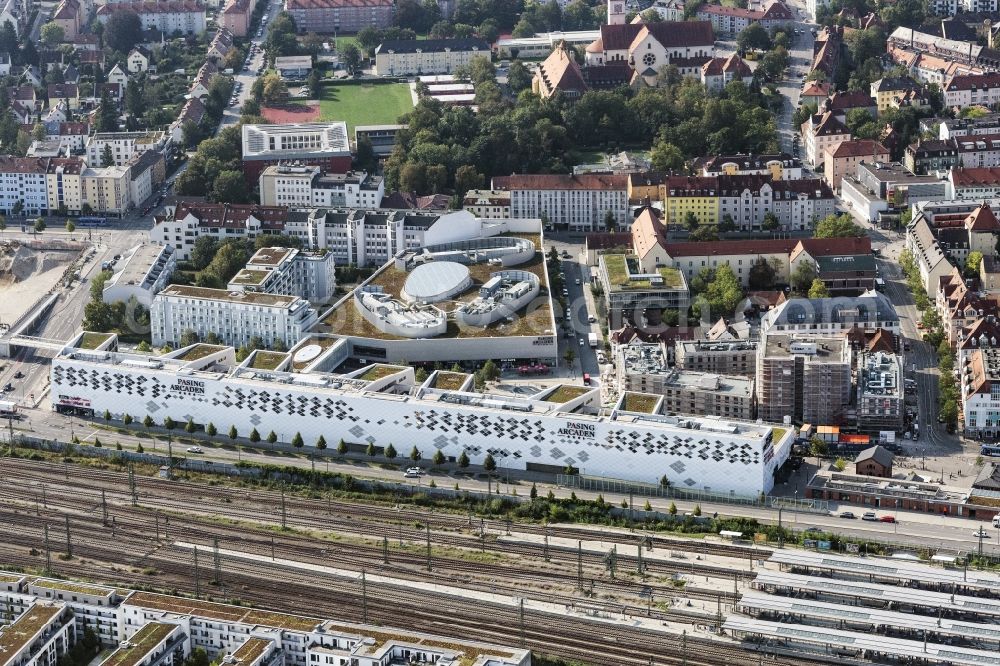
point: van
(996, 521)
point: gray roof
(989, 477)
(879, 454)
(870, 308)
(433, 45)
(854, 262)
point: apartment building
(235, 17)
(972, 89)
(124, 146)
(640, 297)
(820, 133)
(779, 166)
(307, 144)
(183, 224)
(974, 183)
(745, 200)
(929, 155)
(340, 16)
(844, 158)
(308, 186)
(572, 202)
(837, 315)
(979, 150)
(288, 271)
(644, 368)
(107, 189)
(234, 317)
(69, 15)
(953, 128)
(141, 274)
(877, 188)
(186, 17)
(490, 204)
(803, 378)
(23, 187)
(731, 21)
(887, 89)
(724, 357)
(980, 380)
(880, 395)
(413, 57)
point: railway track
(268, 586)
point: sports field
(365, 104)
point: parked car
(869, 515)
(194, 449)
(847, 514)
(888, 519)
(582, 342)
(813, 530)
(18, 375)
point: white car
(194, 449)
(413, 472)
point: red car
(888, 519)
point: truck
(593, 339)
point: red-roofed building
(559, 73)
(843, 159)
(329, 16)
(733, 20)
(182, 225)
(718, 73)
(235, 16)
(647, 48)
(167, 16)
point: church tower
(616, 12)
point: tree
(438, 458)
(370, 450)
(463, 460)
(770, 222)
(107, 114)
(489, 464)
(122, 30)
(724, 292)
(817, 447)
(39, 225)
(211, 430)
(415, 454)
(727, 224)
(107, 156)
(350, 57)
(233, 433)
(706, 232)
(70, 227)
(818, 290)
(972, 263)
(341, 447)
(697, 510)
(610, 223)
(762, 275)
(753, 38)
(229, 187)
(169, 423)
(148, 421)
(802, 277)
(254, 436)
(127, 419)
(52, 34)
(297, 440)
(272, 437)
(673, 509)
(690, 221)
(467, 178)
(203, 252)
(275, 91)
(665, 156)
(837, 226)
(321, 443)
(490, 370)
(368, 38)
(188, 337)
(390, 452)
(518, 77)
(314, 83)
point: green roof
(621, 268)
(140, 644)
(198, 351)
(15, 636)
(93, 340)
(643, 403)
(246, 276)
(267, 360)
(379, 371)
(566, 392)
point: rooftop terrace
(140, 644)
(624, 274)
(18, 635)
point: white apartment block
(107, 189)
(186, 17)
(124, 146)
(23, 185)
(281, 270)
(235, 317)
(143, 272)
(573, 202)
(952, 7)
(492, 204)
(39, 636)
(307, 186)
(970, 89)
(409, 57)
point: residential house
(221, 46)
(137, 61)
(559, 73)
(886, 89)
(235, 17)
(343, 16)
(64, 92)
(574, 202)
(929, 155)
(971, 89)
(410, 57)
(820, 132)
(192, 112)
(717, 73)
(118, 75)
(843, 159)
(185, 17)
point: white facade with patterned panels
(391, 407)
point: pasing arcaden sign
(577, 429)
(188, 386)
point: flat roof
(221, 612)
(251, 298)
(16, 636)
(857, 589)
(70, 586)
(140, 644)
(854, 640)
(270, 256)
(824, 610)
(251, 650)
(887, 568)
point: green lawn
(368, 104)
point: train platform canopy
(859, 615)
(852, 641)
(886, 569)
(908, 597)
